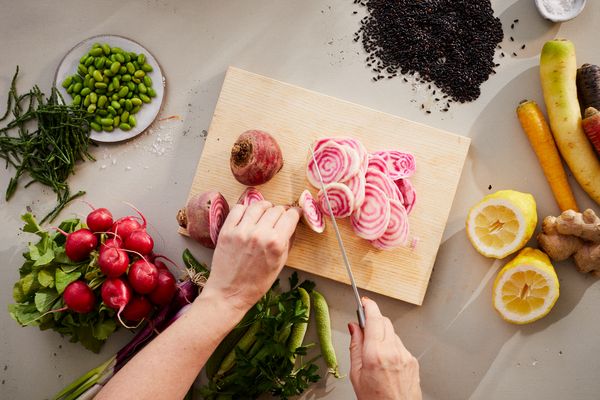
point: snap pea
(299, 328)
(244, 344)
(324, 332)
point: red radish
(409, 196)
(79, 297)
(383, 182)
(160, 265)
(336, 164)
(400, 165)
(370, 221)
(311, 214)
(396, 233)
(203, 217)
(251, 195)
(137, 309)
(99, 220)
(378, 162)
(340, 198)
(111, 242)
(113, 262)
(357, 185)
(255, 158)
(165, 289)
(80, 244)
(115, 293)
(124, 226)
(139, 241)
(143, 276)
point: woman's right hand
(381, 367)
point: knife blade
(360, 311)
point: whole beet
(255, 158)
(203, 217)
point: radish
(340, 198)
(79, 244)
(115, 293)
(409, 195)
(160, 265)
(400, 165)
(396, 232)
(111, 242)
(311, 214)
(143, 276)
(123, 227)
(370, 221)
(139, 241)
(255, 158)
(113, 262)
(137, 309)
(165, 288)
(336, 164)
(203, 217)
(99, 220)
(383, 182)
(79, 297)
(250, 195)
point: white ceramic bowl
(574, 11)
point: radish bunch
(373, 189)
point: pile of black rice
(450, 43)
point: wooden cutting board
(295, 117)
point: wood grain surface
(295, 117)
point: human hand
(381, 367)
(252, 248)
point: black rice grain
(450, 43)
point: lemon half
(502, 223)
(526, 288)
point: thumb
(356, 345)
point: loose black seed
(512, 39)
(516, 21)
(448, 43)
(512, 26)
(428, 112)
(355, 12)
(437, 99)
(422, 106)
(514, 54)
(523, 47)
(502, 54)
(445, 110)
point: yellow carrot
(535, 126)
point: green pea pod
(299, 328)
(243, 344)
(324, 332)
(191, 263)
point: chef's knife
(360, 311)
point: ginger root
(573, 234)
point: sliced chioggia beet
(396, 233)
(340, 198)
(203, 217)
(370, 221)
(311, 214)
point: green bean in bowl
(111, 84)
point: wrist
(229, 311)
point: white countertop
(465, 349)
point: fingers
(271, 216)
(375, 323)
(356, 345)
(254, 213)
(286, 225)
(235, 215)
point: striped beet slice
(378, 162)
(335, 162)
(371, 219)
(340, 197)
(409, 195)
(357, 186)
(397, 230)
(311, 214)
(251, 195)
(383, 182)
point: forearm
(167, 366)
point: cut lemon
(502, 223)
(526, 288)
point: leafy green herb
(267, 367)
(44, 276)
(49, 153)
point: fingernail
(365, 298)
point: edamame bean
(132, 121)
(96, 51)
(108, 128)
(125, 116)
(115, 105)
(142, 88)
(131, 86)
(70, 88)
(144, 98)
(130, 68)
(86, 101)
(122, 103)
(67, 82)
(116, 50)
(128, 104)
(129, 95)
(82, 70)
(324, 332)
(136, 101)
(102, 101)
(135, 109)
(108, 72)
(77, 100)
(127, 57)
(106, 121)
(102, 113)
(120, 58)
(139, 74)
(106, 49)
(122, 70)
(116, 121)
(136, 65)
(85, 91)
(116, 84)
(126, 78)
(111, 110)
(114, 67)
(147, 68)
(96, 127)
(88, 61)
(100, 85)
(93, 98)
(77, 87)
(99, 62)
(147, 81)
(123, 91)
(77, 79)
(97, 76)
(91, 108)
(136, 80)
(124, 126)
(101, 91)
(141, 58)
(114, 97)
(83, 58)
(151, 92)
